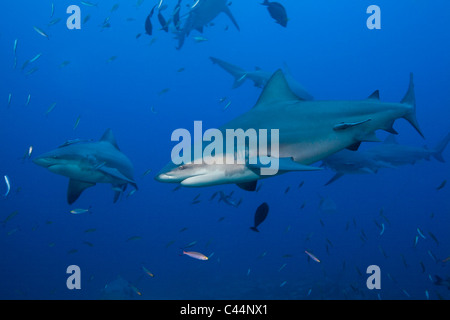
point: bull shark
(309, 131)
(260, 77)
(389, 154)
(86, 163)
(200, 15)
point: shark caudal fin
(440, 147)
(410, 99)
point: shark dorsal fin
(276, 89)
(375, 95)
(109, 137)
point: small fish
(420, 233)
(90, 244)
(199, 39)
(382, 229)
(165, 90)
(148, 23)
(54, 21)
(423, 266)
(301, 184)
(283, 283)
(72, 251)
(432, 256)
(28, 100)
(406, 293)
(248, 271)
(146, 172)
(277, 12)
(195, 255)
(260, 215)
(163, 22)
(50, 109)
(115, 7)
(36, 57)
(427, 295)
(446, 259)
(15, 47)
(10, 216)
(134, 238)
(31, 71)
(64, 64)
(309, 292)
(282, 267)
(112, 58)
(171, 242)
(9, 99)
(147, 272)
(90, 230)
(181, 69)
(416, 240)
(287, 190)
(433, 237)
(41, 32)
(191, 244)
(86, 19)
(183, 229)
(312, 256)
(227, 105)
(441, 185)
(80, 211)
(89, 4)
(53, 10)
(13, 231)
(8, 186)
(404, 260)
(77, 122)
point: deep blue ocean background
(329, 50)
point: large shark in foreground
(260, 77)
(309, 131)
(202, 13)
(86, 163)
(389, 154)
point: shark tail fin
(410, 99)
(254, 229)
(440, 147)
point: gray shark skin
(86, 163)
(201, 15)
(389, 154)
(260, 77)
(309, 131)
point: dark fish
(148, 23)
(260, 215)
(176, 15)
(277, 11)
(163, 22)
(441, 185)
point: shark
(200, 15)
(87, 162)
(260, 77)
(389, 154)
(309, 131)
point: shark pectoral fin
(116, 174)
(346, 125)
(248, 186)
(354, 147)
(334, 178)
(76, 187)
(230, 15)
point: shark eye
(181, 167)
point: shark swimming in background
(200, 15)
(260, 77)
(388, 154)
(309, 131)
(86, 163)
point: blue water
(328, 48)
